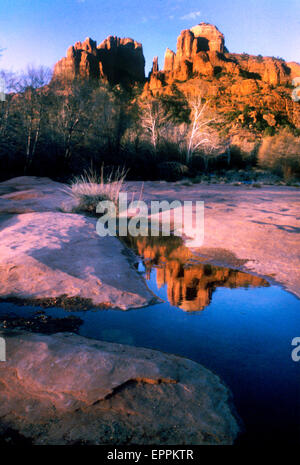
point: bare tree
(72, 115)
(10, 82)
(33, 99)
(4, 106)
(201, 134)
(154, 119)
(110, 116)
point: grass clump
(90, 188)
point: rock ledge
(67, 389)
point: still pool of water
(233, 323)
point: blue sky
(38, 32)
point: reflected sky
(235, 324)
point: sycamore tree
(7, 85)
(32, 102)
(160, 115)
(154, 119)
(202, 134)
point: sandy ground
(251, 229)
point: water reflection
(190, 283)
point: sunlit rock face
(201, 38)
(169, 60)
(197, 51)
(295, 69)
(116, 60)
(202, 50)
(203, 66)
(190, 284)
(200, 65)
(208, 38)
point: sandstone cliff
(115, 60)
(201, 51)
(250, 90)
(233, 82)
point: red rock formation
(192, 55)
(271, 70)
(122, 60)
(115, 60)
(191, 287)
(201, 50)
(295, 69)
(190, 284)
(202, 64)
(169, 60)
(209, 38)
(155, 67)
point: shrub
(269, 131)
(248, 75)
(172, 170)
(240, 158)
(281, 154)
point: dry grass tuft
(90, 188)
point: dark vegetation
(41, 323)
(60, 130)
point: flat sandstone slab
(254, 230)
(27, 194)
(49, 254)
(67, 389)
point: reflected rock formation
(190, 283)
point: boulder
(66, 389)
(244, 87)
(270, 119)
